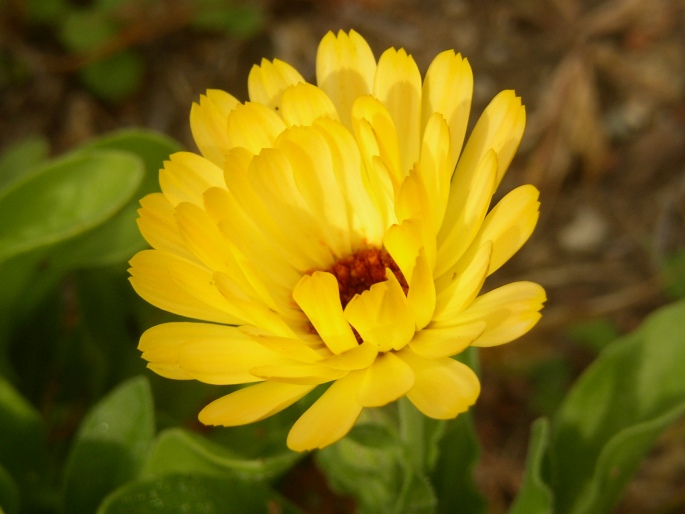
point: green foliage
(79, 192)
(615, 410)
(104, 34)
(673, 271)
(110, 446)
(535, 496)
(179, 494)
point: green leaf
(66, 198)
(23, 446)
(119, 238)
(225, 16)
(673, 274)
(421, 436)
(85, 29)
(177, 451)
(20, 159)
(615, 410)
(110, 447)
(535, 496)
(46, 11)
(452, 476)
(116, 77)
(199, 494)
(9, 493)
(382, 478)
(619, 460)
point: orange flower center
(358, 272)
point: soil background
(604, 87)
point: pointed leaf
(535, 496)
(110, 447)
(615, 411)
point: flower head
(337, 233)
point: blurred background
(604, 87)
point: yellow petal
(248, 237)
(298, 373)
(435, 167)
(251, 310)
(256, 218)
(443, 388)
(313, 173)
(157, 224)
(403, 242)
(421, 295)
(252, 403)
(345, 70)
(376, 136)
(271, 175)
(509, 311)
(364, 220)
(458, 290)
(434, 343)
(465, 212)
(161, 279)
(213, 354)
(319, 298)
(448, 89)
(204, 240)
(303, 103)
(266, 83)
(253, 126)
(331, 416)
(360, 357)
(186, 176)
(296, 349)
(508, 225)
(171, 371)
(500, 129)
(398, 86)
(412, 200)
(382, 315)
(216, 252)
(388, 379)
(208, 121)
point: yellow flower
(337, 233)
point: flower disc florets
(366, 179)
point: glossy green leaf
(119, 238)
(110, 447)
(23, 446)
(177, 451)
(615, 410)
(20, 159)
(65, 199)
(535, 496)
(197, 494)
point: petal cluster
(246, 236)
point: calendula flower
(337, 233)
